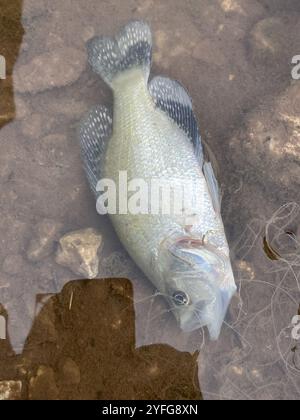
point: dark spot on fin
(171, 97)
(94, 133)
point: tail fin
(132, 48)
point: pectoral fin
(94, 133)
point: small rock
(57, 68)
(79, 251)
(42, 243)
(10, 390)
(71, 372)
(43, 385)
(13, 264)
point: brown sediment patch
(82, 346)
(11, 34)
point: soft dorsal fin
(94, 133)
(171, 97)
(213, 186)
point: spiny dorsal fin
(171, 97)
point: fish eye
(180, 298)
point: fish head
(198, 283)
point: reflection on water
(232, 55)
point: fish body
(154, 136)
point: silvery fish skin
(154, 135)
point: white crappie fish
(154, 134)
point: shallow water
(114, 338)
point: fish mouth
(210, 314)
(195, 318)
